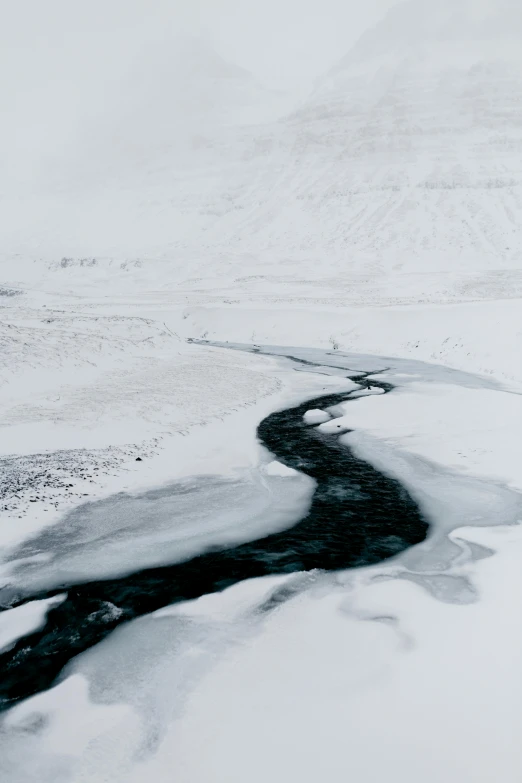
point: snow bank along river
(357, 517)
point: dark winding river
(358, 517)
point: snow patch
(25, 619)
(316, 416)
(276, 468)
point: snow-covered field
(376, 214)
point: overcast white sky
(288, 43)
(285, 43)
(62, 60)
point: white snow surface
(374, 225)
(276, 468)
(316, 416)
(23, 620)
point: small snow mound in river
(335, 426)
(316, 416)
(276, 468)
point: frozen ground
(340, 662)
(379, 215)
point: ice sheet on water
(23, 620)
(354, 662)
(405, 371)
(93, 723)
(126, 533)
(448, 499)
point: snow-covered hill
(408, 154)
(406, 158)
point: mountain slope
(406, 160)
(408, 155)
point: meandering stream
(358, 517)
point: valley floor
(407, 669)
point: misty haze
(260, 391)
